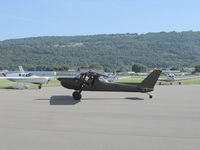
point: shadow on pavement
(106, 99)
(134, 98)
(62, 100)
(68, 100)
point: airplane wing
(165, 79)
(178, 79)
(16, 78)
(19, 78)
(187, 78)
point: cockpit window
(78, 76)
(102, 79)
(28, 75)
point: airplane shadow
(62, 100)
(134, 98)
(106, 99)
(68, 100)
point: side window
(29, 74)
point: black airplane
(93, 81)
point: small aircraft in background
(113, 77)
(25, 78)
(170, 77)
(91, 81)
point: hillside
(114, 51)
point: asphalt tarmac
(50, 119)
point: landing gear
(76, 95)
(86, 81)
(40, 86)
(179, 83)
(150, 96)
(170, 83)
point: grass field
(8, 84)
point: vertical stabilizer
(21, 69)
(4, 72)
(151, 79)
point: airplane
(170, 77)
(91, 81)
(113, 77)
(25, 78)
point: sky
(32, 18)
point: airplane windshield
(28, 75)
(78, 76)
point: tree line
(112, 52)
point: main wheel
(150, 96)
(76, 95)
(39, 87)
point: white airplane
(112, 77)
(170, 77)
(25, 78)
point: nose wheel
(76, 95)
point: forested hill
(111, 51)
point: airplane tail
(21, 69)
(4, 72)
(150, 81)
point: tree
(113, 52)
(139, 68)
(174, 68)
(197, 68)
(95, 66)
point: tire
(76, 95)
(39, 87)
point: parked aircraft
(113, 77)
(170, 77)
(25, 78)
(90, 81)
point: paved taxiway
(51, 119)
